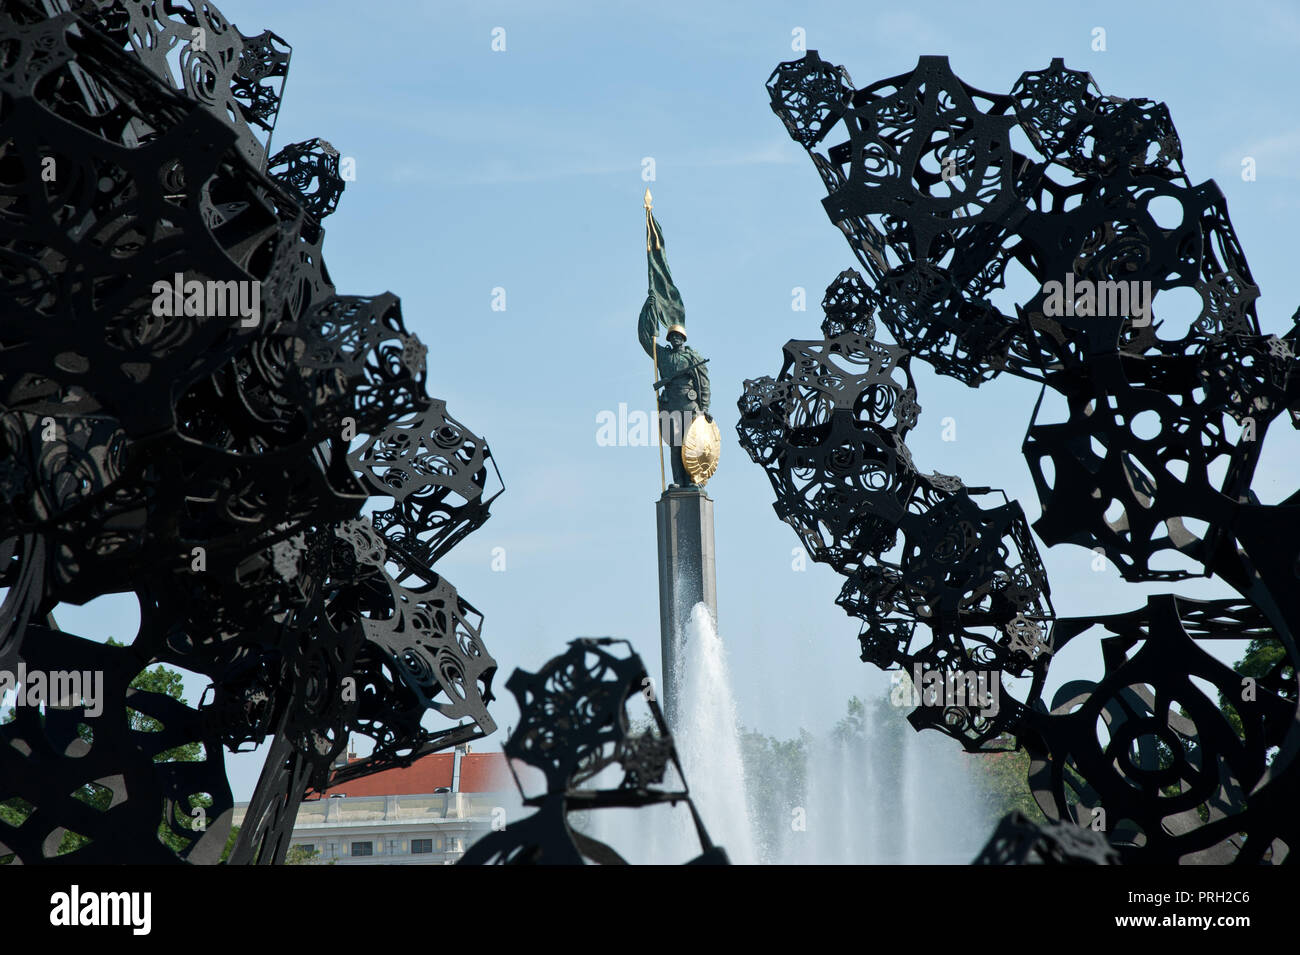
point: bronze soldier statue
(684, 395)
(682, 388)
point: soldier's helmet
(679, 329)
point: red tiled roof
(485, 773)
(479, 773)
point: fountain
(872, 790)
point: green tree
(1003, 782)
(303, 855)
(14, 811)
(775, 778)
(1261, 656)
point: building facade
(428, 813)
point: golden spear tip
(648, 200)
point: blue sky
(522, 170)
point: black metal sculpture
(189, 413)
(1018, 840)
(573, 725)
(1166, 417)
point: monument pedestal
(687, 576)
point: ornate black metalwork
(1152, 468)
(916, 548)
(573, 725)
(189, 413)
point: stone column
(687, 576)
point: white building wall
(451, 821)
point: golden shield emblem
(700, 450)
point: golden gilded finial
(653, 242)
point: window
(363, 848)
(331, 850)
(419, 846)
